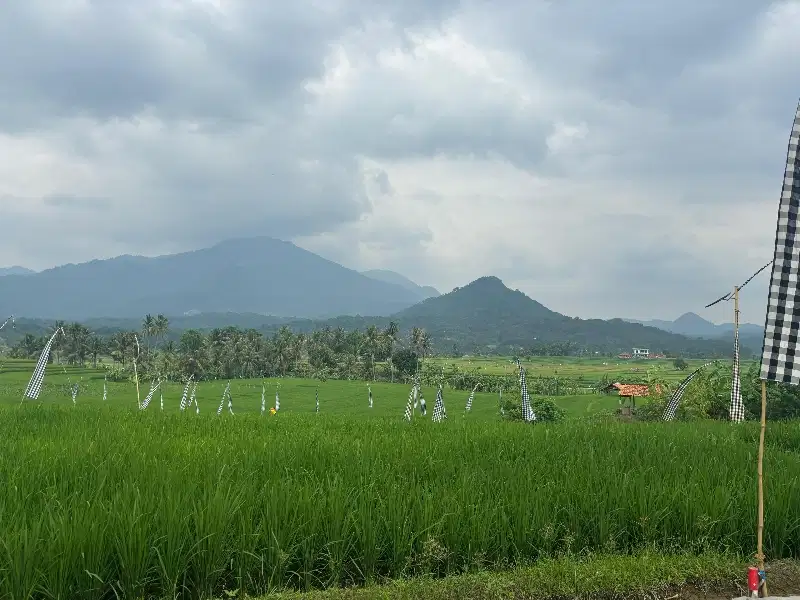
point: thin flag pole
(760, 553)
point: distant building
(625, 355)
(641, 352)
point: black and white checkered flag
(37, 379)
(7, 321)
(277, 400)
(316, 395)
(105, 389)
(186, 393)
(410, 404)
(737, 406)
(675, 399)
(471, 398)
(780, 356)
(224, 395)
(263, 399)
(423, 407)
(369, 388)
(527, 410)
(149, 397)
(439, 413)
(75, 389)
(500, 403)
(162, 398)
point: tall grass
(98, 501)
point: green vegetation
(642, 575)
(484, 317)
(147, 503)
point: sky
(609, 159)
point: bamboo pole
(760, 554)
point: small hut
(629, 392)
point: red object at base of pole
(753, 581)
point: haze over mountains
(264, 283)
(693, 325)
(259, 275)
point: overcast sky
(614, 158)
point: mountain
(15, 270)
(423, 291)
(481, 317)
(693, 325)
(253, 275)
(485, 316)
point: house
(641, 352)
(625, 355)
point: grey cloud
(668, 98)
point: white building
(641, 352)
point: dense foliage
(101, 503)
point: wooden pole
(760, 554)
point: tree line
(231, 352)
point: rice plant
(99, 501)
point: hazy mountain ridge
(15, 270)
(483, 316)
(424, 291)
(254, 275)
(693, 325)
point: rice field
(296, 395)
(590, 369)
(101, 500)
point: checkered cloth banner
(410, 404)
(149, 397)
(277, 401)
(75, 389)
(263, 400)
(230, 402)
(186, 393)
(105, 389)
(370, 396)
(7, 321)
(675, 399)
(423, 407)
(162, 399)
(224, 395)
(737, 406)
(500, 403)
(439, 413)
(316, 396)
(780, 353)
(37, 379)
(471, 398)
(527, 410)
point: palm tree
(391, 335)
(160, 327)
(148, 327)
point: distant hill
(482, 317)
(693, 325)
(15, 270)
(487, 315)
(423, 291)
(254, 275)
